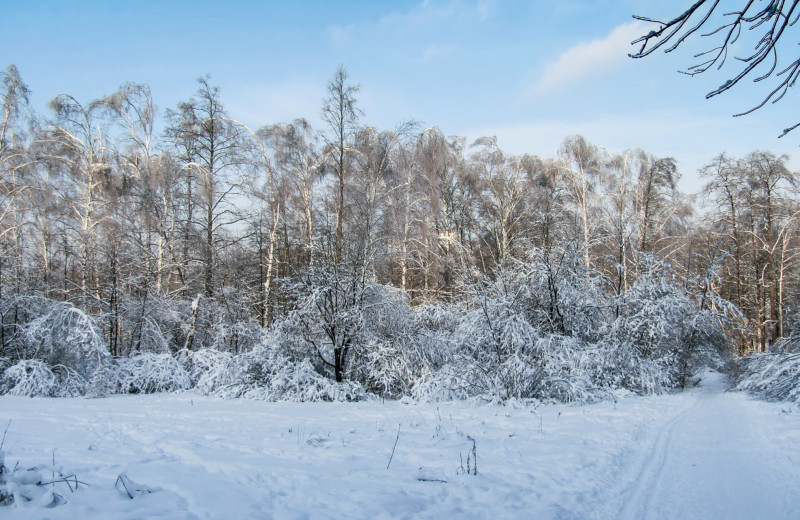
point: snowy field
(704, 453)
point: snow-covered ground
(703, 453)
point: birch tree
(215, 154)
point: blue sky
(530, 72)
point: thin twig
(393, 447)
(4, 434)
(120, 479)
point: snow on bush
(661, 335)
(216, 373)
(774, 375)
(301, 382)
(265, 373)
(497, 350)
(66, 336)
(450, 382)
(150, 373)
(29, 378)
(20, 310)
(33, 378)
(388, 368)
(771, 376)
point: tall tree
(215, 154)
(15, 183)
(502, 201)
(341, 113)
(77, 148)
(581, 169)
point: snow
(703, 453)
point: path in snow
(699, 454)
(715, 458)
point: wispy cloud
(430, 12)
(435, 53)
(588, 59)
(420, 17)
(341, 33)
(485, 9)
(257, 104)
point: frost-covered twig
(393, 447)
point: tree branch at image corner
(774, 21)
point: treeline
(213, 235)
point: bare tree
(341, 113)
(299, 162)
(76, 146)
(503, 209)
(16, 163)
(581, 170)
(215, 154)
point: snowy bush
(449, 382)
(266, 373)
(773, 376)
(661, 335)
(66, 336)
(16, 311)
(33, 378)
(150, 373)
(788, 345)
(616, 365)
(301, 382)
(153, 323)
(68, 382)
(388, 360)
(215, 372)
(388, 368)
(29, 378)
(102, 382)
(497, 351)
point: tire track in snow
(638, 500)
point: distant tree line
(209, 234)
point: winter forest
(146, 250)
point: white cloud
(485, 9)
(341, 33)
(421, 16)
(589, 59)
(257, 105)
(435, 53)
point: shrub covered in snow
(66, 336)
(301, 382)
(16, 311)
(149, 373)
(774, 375)
(29, 378)
(661, 335)
(506, 347)
(33, 378)
(216, 373)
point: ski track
(639, 501)
(703, 453)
